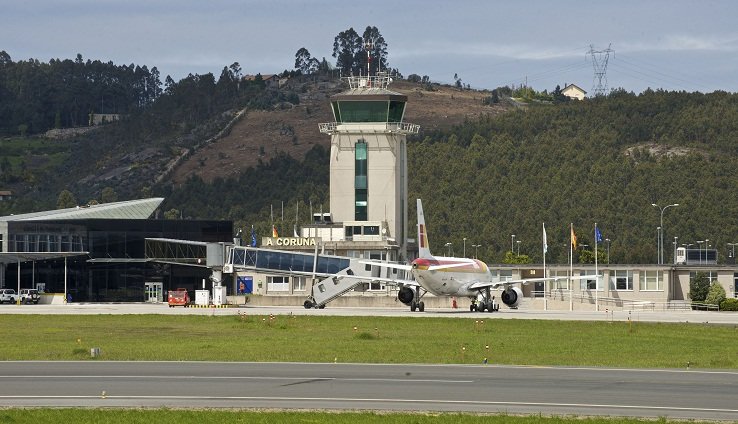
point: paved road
(147, 308)
(548, 390)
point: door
(154, 292)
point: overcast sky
(674, 44)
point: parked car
(8, 296)
(29, 296)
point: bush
(729, 305)
(716, 295)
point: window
(589, 284)
(278, 283)
(299, 283)
(562, 280)
(371, 230)
(652, 281)
(621, 280)
(360, 182)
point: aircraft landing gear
(487, 302)
(419, 304)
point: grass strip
(369, 340)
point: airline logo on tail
(423, 246)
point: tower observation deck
(368, 162)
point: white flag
(545, 243)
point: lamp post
(699, 248)
(661, 230)
(706, 245)
(476, 246)
(658, 243)
(518, 243)
(607, 240)
(465, 247)
(732, 251)
(673, 259)
(512, 244)
(448, 249)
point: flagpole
(545, 247)
(597, 275)
(571, 267)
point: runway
(690, 394)
(504, 313)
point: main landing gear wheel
(419, 306)
(472, 307)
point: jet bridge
(332, 276)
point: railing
(627, 304)
(400, 127)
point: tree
(305, 63)
(108, 195)
(172, 214)
(347, 48)
(699, 287)
(66, 200)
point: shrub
(729, 305)
(716, 294)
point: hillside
(293, 129)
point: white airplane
(457, 277)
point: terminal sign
(289, 241)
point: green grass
(164, 416)
(368, 340)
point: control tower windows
(360, 181)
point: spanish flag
(275, 234)
(573, 238)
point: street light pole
(476, 246)
(658, 243)
(699, 248)
(661, 230)
(465, 247)
(512, 244)
(673, 259)
(448, 249)
(608, 250)
(518, 242)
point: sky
(671, 45)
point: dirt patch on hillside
(261, 135)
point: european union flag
(253, 237)
(598, 234)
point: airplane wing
(404, 267)
(390, 281)
(506, 283)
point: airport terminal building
(98, 253)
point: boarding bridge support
(332, 287)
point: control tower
(368, 162)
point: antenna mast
(599, 62)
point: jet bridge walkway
(332, 276)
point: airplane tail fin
(423, 246)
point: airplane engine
(405, 295)
(512, 296)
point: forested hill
(604, 160)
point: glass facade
(115, 269)
(360, 181)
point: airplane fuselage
(454, 276)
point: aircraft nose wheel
(419, 306)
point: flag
(573, 237)
(274, 231)
(598, 234)
(545, 242)
(253, 237)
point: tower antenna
(599, 62)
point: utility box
(202, 297)
(219, 295)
